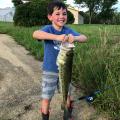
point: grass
(97, 66)
(96, 63)
(24, 37)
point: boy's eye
(57, 14)
(64, 13)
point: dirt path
(20, 76)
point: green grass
(96, 63)
(24, 37)
(97, 66)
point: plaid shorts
(50, 83)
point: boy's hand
(70, 38)
(65, 38)
(62, 38)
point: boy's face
(58, 18)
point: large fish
(64, 62)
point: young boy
(53, 35)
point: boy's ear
(49, 17)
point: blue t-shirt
(51, 47)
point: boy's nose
(61, 15)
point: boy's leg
(45, 106)
(68, 111)
(69, 106)
(70, 98)
(49, 85)
(69, 101)
(45, 109)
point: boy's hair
(55, 4)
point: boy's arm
(41, 35)
(80, 38)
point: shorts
(50, 83)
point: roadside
(20, 77)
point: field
(96, 62)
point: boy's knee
(46, 102)
(45, 106)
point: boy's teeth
(61, 21)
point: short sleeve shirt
(52, 47)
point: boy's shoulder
(47, 26)
(71, 31)
(68, 28)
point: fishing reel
(93, 96)
(90, 98)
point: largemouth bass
(64, 62)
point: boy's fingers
(71, 38)
(65, 38)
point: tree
(107, 12)
(104, 7)
(17, 2)
(92, 5)
(31, 13)
(116, 18)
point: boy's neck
(57, 27)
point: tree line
(33, 12)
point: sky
(8, 3)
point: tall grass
(96, 62)
(97, 66)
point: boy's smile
(58, 18)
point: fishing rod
(91, 97)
